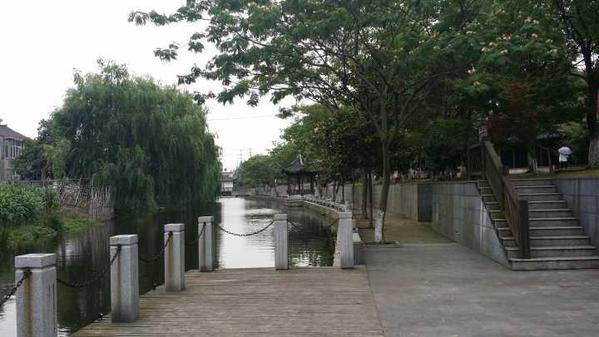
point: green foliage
(258, 171)
(445, 143)
(76, 224)
(149, 143)
(20, 206)
(28, 214)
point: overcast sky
(42, 42)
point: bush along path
(31, 214)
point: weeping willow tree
(150, 143)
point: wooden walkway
(256, 302)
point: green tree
(149, 143)
(368, 55)
(580, 22)
(259, 171)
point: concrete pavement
(448, 290)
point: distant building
(226, 183)
(11, 145)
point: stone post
(174, 257)
(124, 286)
(345, 240)
(281, 238)
(36, 297)
(206, 247)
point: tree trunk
(364, 199)
(382, 210)
(334, 192)
(337, 188)
(370, 199)
(532, 161)
(593, 111)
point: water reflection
(82, 255)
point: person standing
(564, 154)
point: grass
(76, 224)
(29, 235)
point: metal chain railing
(245, 234)
(96, 278)
(294, 224)
(160, 253)
(298, 225)
(13, 290)
(197, 239)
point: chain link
(245, 234)
(294, 224)
(13, 291)
(159, 254)
(298, 225)
(99, 276)
(198, 238)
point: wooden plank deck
(256, 302)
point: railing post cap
(174, 227)
(202, 219)
(128, 239)
(280, 216)
(344, 215)
(35, 261)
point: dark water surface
(80, 256)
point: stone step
(485, 190)
(482, 183)
(550, 213)
(545, 231)
(488, 198)
(554, 251)
(541, 196)
(524, 189)
(551, 204)
(545, 263)
(500, 221)
(546, 241)
(492, 205)
(556, 231)
(552, 222)
(532, 181)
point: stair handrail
(514, 208)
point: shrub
(20, 206)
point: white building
(227, 183)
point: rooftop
(6, 132)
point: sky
(42, 43)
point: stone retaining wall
(582, 195)
(459, 214)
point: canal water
(80, 256)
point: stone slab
(128, 239)
(35, 261)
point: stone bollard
(206, 247)
(281, 238)
(124, 284)
(174, 257)
(345, 240)
(36, 297)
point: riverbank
(65, 221)
(31, 214)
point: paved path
(401, 229)
(448, 290)
(256, 302)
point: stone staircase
(557, 241)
